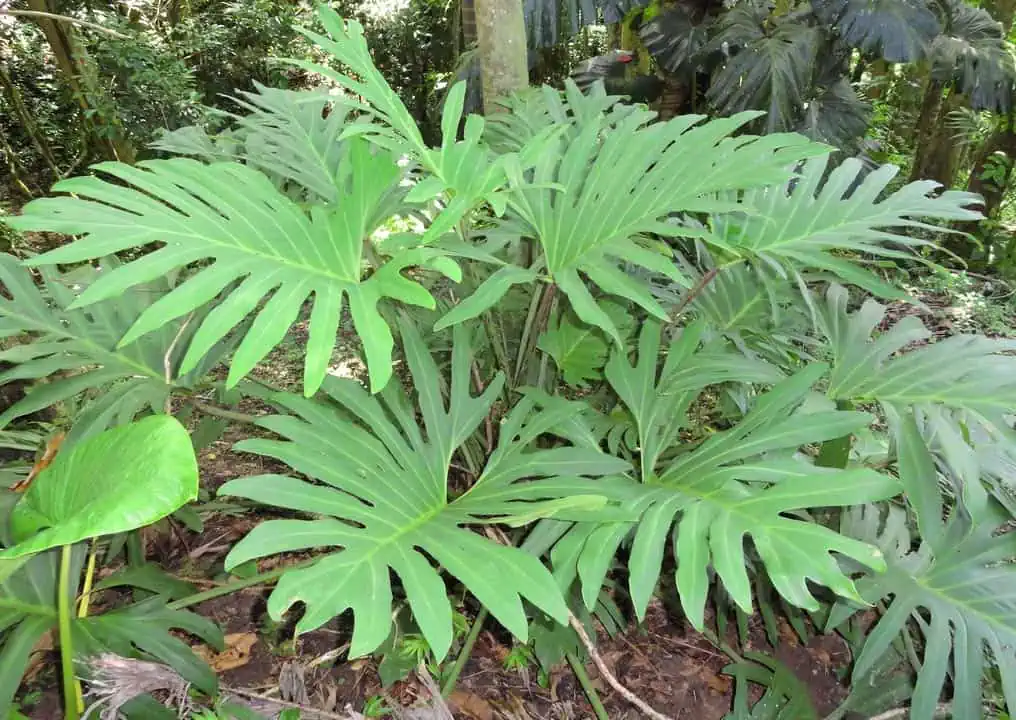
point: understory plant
(619, 359)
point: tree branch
(63, 18)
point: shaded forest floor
(663, 660)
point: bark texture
(501, 33)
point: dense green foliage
(607, 357)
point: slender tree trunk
(879, 72)
(1003, 140)
(941, 153)
(501, 32)
(992, 189)
(13, 96)
(68, 58)
(925, 129)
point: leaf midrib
(98, 350)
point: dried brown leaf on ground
(237, 652)
(471, 705)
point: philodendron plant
(605, 346)
(119, 480)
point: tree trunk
(1003, 140)
(879, 80)
(501, 32)
(941, 152)
(614, 36)
(61, 44)
(925, 129)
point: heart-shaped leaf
(123, 479)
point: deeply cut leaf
(384, 491)
(261, 243)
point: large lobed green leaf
(738, 483)
(974, 56)
(383, 493)
(261, 244)
(896, 30)
(463, 173)
(954, 582)
(613, 176)
(771, 69)
(970, 372)
(295, 135)
(801, 223)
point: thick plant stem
(536, 323)
(587, 686)
(233, 587)
(701, 285)
(464, 653)
(224, 413)
(835, 453)
(86, 590)
(64, 615)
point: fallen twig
(310, 711)
(624, 692)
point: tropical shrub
(613, 342)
